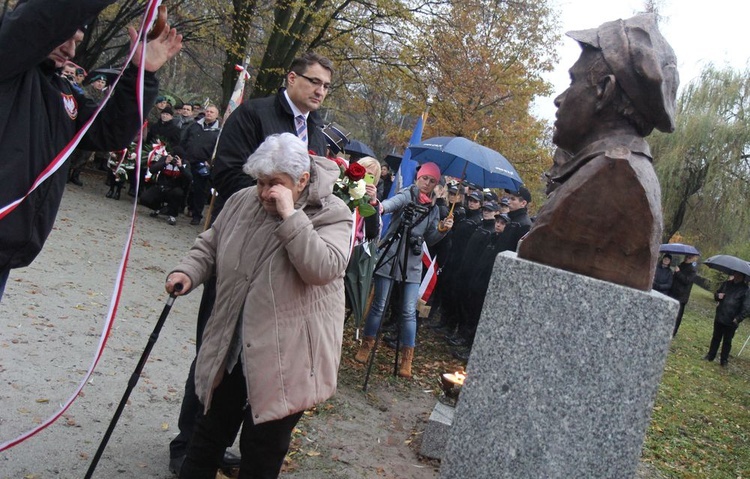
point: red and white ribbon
(243, 71)
(148, 19)
(430, 278)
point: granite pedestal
(436, 433)
(562, 377)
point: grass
(700, 426)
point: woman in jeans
(416, 204)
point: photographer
(412, 207)
(171, 185)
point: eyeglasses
(317, 83)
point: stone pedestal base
(436, 433)
(561, 379)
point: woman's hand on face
(178, 278)
(284, 200)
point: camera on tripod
(413, 211)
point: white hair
(281, 153)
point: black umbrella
(728, 264)
(357, 148)
(678, 248)
(393, 161)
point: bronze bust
(603, 217)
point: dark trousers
(191, 407)
(723, 334)
(199, 194)
(156, 195)
(679, 319)
(263, 446)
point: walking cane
(133, 379)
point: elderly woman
(272, 346)
(425, 228)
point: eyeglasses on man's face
(316, 82)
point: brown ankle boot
(404, 370)
(364, 349)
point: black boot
(111, 192)
(117, 192)
(75, 177)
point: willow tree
(703, 166)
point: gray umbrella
(728, 264)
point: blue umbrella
(678, 248)
(356, 147)
(467, 160)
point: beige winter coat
(286, 280)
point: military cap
(643, 63)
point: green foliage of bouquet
(350, 187)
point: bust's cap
(643, 63)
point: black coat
(519, 225)
(663, 279)
(682, 282)
(168, 132)
(459, 237)
(498, 243)
(198, 143)
(734, 305)
(40, 114)
(470, 263)
(245, 130)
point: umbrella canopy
(469, 161)
(393, 161)
(678, 248)
(728, 264)
(357, 148)
(110, 73)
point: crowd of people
(178, 148)
(732, 300)
(277, 243)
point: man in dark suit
(293, 109)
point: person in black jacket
(41, 113)
(733, 306)
(459, 238)
(479, 282)
(682, 284)
(173, 179)
(307, 85)
(664, 276)
(479, 239)
(166, 130)
(518, 200)
(197, 148)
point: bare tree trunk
(290, 29)
(244, 11)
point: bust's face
(576, 106)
